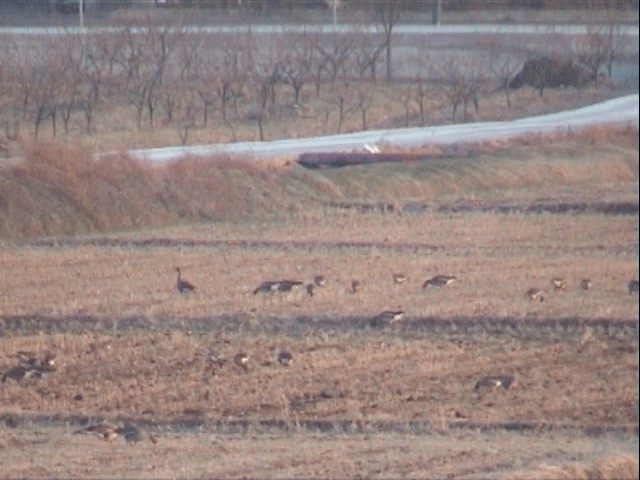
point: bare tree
(503, 68)
(364, 99)
(464, 80)
(415, 93)
(72, 78)
(149, 49)
(266, 74)
(233, 68)
(388, 14)
(505, 57)
(366, 54)
(15, 88)
(332, 54)
(103, 69)
(297, 69)
(603, 42)
(44, 85)
(421, 85)
(187, 112)
(599, 48)
(341, 100)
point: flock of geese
(132, 434)
(391, 317)
(31, 365)
(560, 284)
(34, 365)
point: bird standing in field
(268, 286)
(356, 286)
(439, 281)
(134, 434)
(535, 294)
(182, 285)
(285, 358)
(19, 372)
(585, 284)
(633, 286)
(387, 318)
(241, 359)
(271, 286)
(104, 431)
(288, 285)
(495, 381)
(46, 361)
(319, 280)
(559, 283)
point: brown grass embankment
(61, 190)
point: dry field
(358, 401)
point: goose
(31, 359)
(182, 285)
(494, 381)
(103, 431)
(277, 286)
(559, 283)
(633, 286)
(310, 287)
(387, 318)
(585, 284)
(27, 358)
(19, 372)
(439, 281)
(356, 286)
(241, 359)
(399, 278)
(285, 358)
(535, 294)
(48, 361)
(134, 434)
(319, 280)
(266, 287)
(287, 285)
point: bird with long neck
(182, 285)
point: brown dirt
(358, 401)
(399, 400)
(464, 455)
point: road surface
(622, 111)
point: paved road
(538, 29)
(623, 110)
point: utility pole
(436, 9)
(81, 13)
(334, 8)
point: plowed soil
(358, 401)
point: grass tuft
(615, 467)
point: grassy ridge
(64, 190)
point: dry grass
(615, 467)
(61, 190)
(228, 262)
(467, 455)
(363, 376)
(399, 397)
